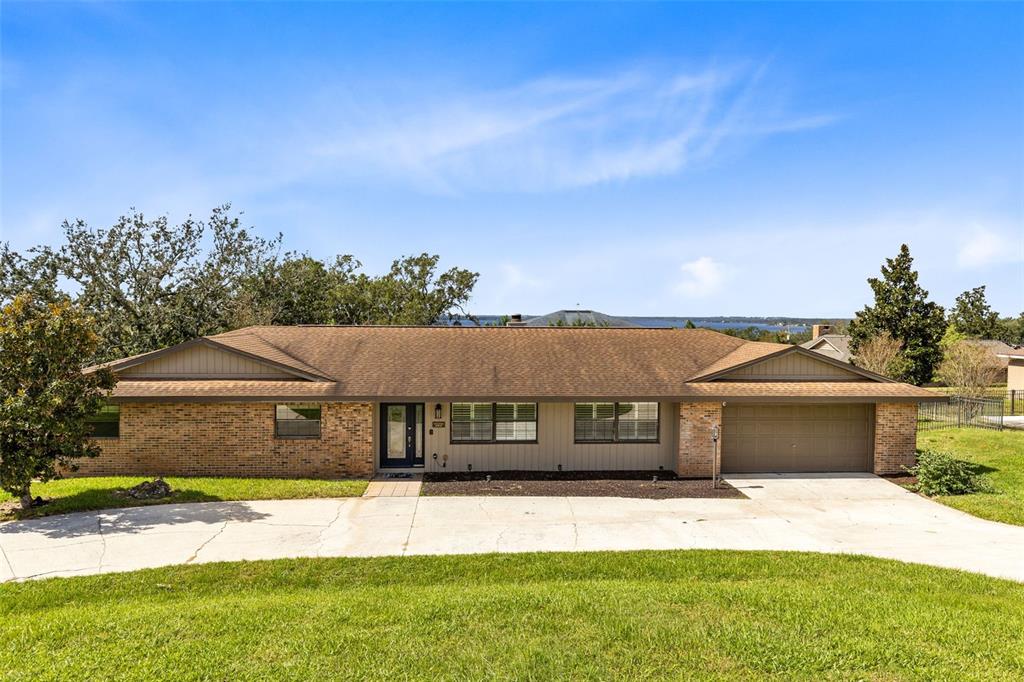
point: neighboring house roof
(833, 345)
(390, 363)
(570, 318)
(1002, 350)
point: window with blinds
(595, 422)
(493, 422)
(616, 422)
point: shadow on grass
(979, 469)
(124, 514)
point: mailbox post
(715, 433)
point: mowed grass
(106, 492)
(997, 454)
(685, 614)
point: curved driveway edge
(852, 513)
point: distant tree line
(148, 284)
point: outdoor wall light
(437, 411)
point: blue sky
(637, 159)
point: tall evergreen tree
(973, 316)
(902, 309)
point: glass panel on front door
(419, 432)
(396, 432)
(402, 435)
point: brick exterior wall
(234, 439)
(696, 455)
(895, 437)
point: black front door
(401, 434)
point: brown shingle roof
(748, 352)
(847, 391)
(382, 363)
(498, 361)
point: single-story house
(1003, 353)
(332, 401)
(836, 346)
(1014, 358)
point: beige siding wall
(554, 446)
(203, 361)
(1015, 375)
(792, 367)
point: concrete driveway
(852, 513)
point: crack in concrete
(103, 539)
(7, 560)
(412, 524)
(320, 537)
(208, 541)
(59, 570)
(288, 525)
(575, 525)
(498, 539)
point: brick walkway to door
(383, 486)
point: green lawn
(689, 614)
(1000, 455)
(104, 492)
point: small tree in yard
(45, 398)
(969, 368)
(881, 354)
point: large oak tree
(152, 284)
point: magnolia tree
(969, 368)
(901, 308)
(45, 397)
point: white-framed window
(625, 422)
(494, 422)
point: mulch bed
(639, 484)
(904, 480)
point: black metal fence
(960, 412)
(1013, 399)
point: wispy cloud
(556, 133)
(701, 277)
(983, 246)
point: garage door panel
(797, 438)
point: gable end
(796, 364)
(201, 359)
